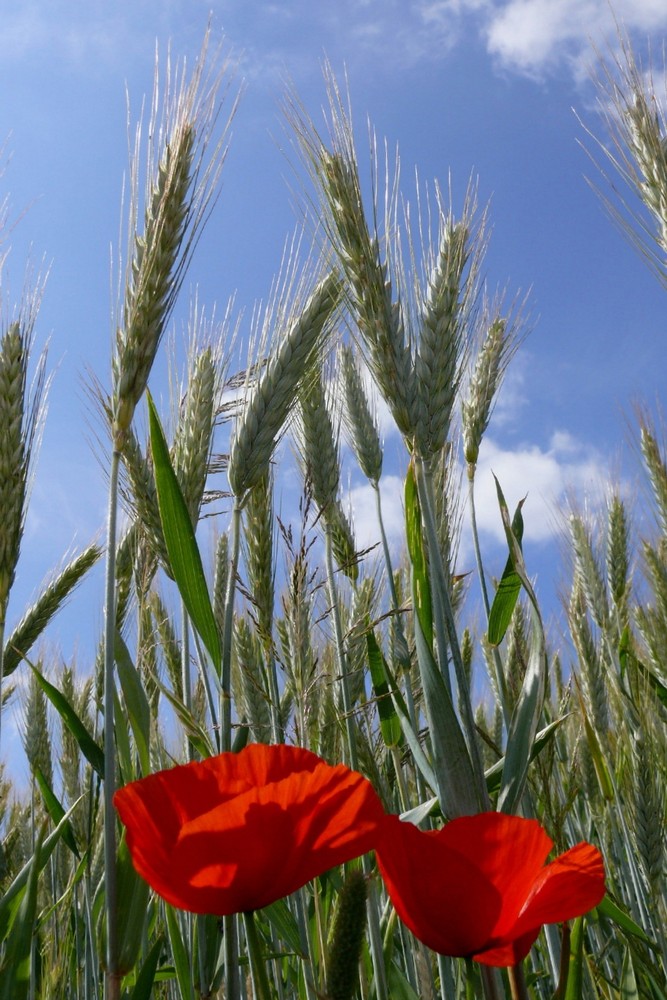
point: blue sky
(462, 86)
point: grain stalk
(181, 183)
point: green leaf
(56, 811)
(609, 909)
(132, 906)
(17, 956)
(124, 757)
(421, 586)
(143, 988)
(494, 773)
(390, 725)
(509, 587)
(91, 750)
(528, 709)
(576, 961)
(452, 764)
(418, 814)
(182, 548)
(180, 955)
(136, 702)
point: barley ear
(635, 119)
(259, 558)
(270, 401)
(360, 421)
(47, 604)
(21, 419)
(182, 176)
(35, 731)
(451, 290)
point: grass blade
(91, 750)
(179, 536)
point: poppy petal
(568, 887)
(508, 851)
(479, 886)
(437, 891)
(238, 831)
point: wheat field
(213, 802)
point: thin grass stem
(112, 978)
(228, 629)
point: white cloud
(545, 477)
(363, 504)
(549, 478)
(533, 35)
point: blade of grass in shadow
(136, 702)
(56, 811)
(182, 548)
(143, 988)
(528, 709)
(15, 972)
(508, 590)
(91, 750)
(390, 725)
(179, 953)
(451, 761)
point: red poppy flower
(479, 887)
(236, 832)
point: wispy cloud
(526, 36)
(531, 37)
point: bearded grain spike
(272, 398)
(194, 434)
(361, 423)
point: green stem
(491, 985)
(112, 979)
(306, 943)
(450, 642)
(186, 681)
(2, 663)
(232, 978)
(227, 631)
(517, 982)
(341, 655)
(260, 982)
